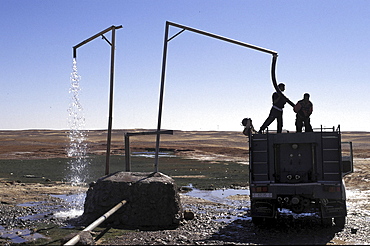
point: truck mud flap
(333, 209)
(263, 209)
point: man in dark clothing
(276, 112)
(303, 108)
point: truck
(296, 171)
(300, 172)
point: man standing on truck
(303, 108)
(276, 112)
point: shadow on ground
(284, 231)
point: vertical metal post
(164, 60)
(113, 46)
(109, 137)
(127, 152)
(166, 40)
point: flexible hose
(273, 77)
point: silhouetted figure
(248, 126)
(303, 108)
(276, 112)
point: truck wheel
(340, 221)
(326, 222)
(257, 220)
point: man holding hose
(276, 112)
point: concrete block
(152, 199)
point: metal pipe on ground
(97, 222)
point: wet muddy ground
(30, 212)
(220, 224)
(221, 217)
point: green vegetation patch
(201, 174)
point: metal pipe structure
(110, 119)
(127, 144)
(221, 38)
(97, 222)
(92, 38)
(112, 44)
(164, 60)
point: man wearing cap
(303, 108)
(276, 112)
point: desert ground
(220, 145)
(30, 144)
(208, 145)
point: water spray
(112, 44)
(77, 135)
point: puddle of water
(30, 204)
(38, 216)
(220, 196)
(73, 213)
(148, 154)
(239, 208)
(19, 235)
(301, 215)
(73, 199)
(76, 202)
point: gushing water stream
(77, 150)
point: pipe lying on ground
(97, 222)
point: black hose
(273, 77)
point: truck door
(347, 158)
(294, 162)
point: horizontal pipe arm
(222, 38)
(92, 38)
(149, 133)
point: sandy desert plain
(201, 145)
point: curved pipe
(273, 77)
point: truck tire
(326, 222)
(257, 220)
(340, 221)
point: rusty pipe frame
(97, 222)
(164, 60)
(112, 44)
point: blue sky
(323, 49)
